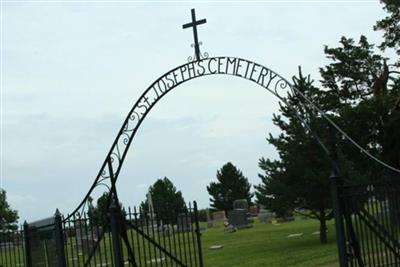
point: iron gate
(135, 237)
(129, 237)
(369, 224)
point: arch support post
(27, 239)
(336, 183)
(116, 232)
(59, 238)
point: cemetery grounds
(261, 245)
(269, 245)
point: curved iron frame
(277, 85)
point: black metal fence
(12, 248)
(168, 239)
(125, 238)
(371, 219)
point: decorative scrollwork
(194, 58)
(126, 138)
(102, 180)
(77, 215)
(104, 174)
(105, 185)
(281, 84)
(133, 116)
(191, 58)
(205, 55)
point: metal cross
(194, 24)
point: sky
(72, 70)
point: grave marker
(241, 204)
(219, 216)
(184, 223)
(265, 216)
(238, 219)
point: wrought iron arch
(233, 66)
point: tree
(231, 185)
(390, 25)
(361, 93)
(167, 201)
(8, 216)
(367, 94)
(99, 214)
(299, 179)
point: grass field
(268, 245)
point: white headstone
(150, 205)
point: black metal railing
(371, 216)
(130, 237)
(12, 248)
(164, 239)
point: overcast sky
(72, 71)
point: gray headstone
(241, 204)
(265, 216)
(150, 205)
(238, 218)
(184, 222)
(210, 223)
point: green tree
(168, 202)
(231, 185)
(8, 216)
(299, 179)
(390, 25)
(367, 95)
(361, 93)
(367, 86)
(99, 214)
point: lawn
(268, 245)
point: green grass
(268, 245)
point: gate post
(337, 205)
(27, 245)
(59, 237)
(115, 233)
(198, 234)
(338, 213)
